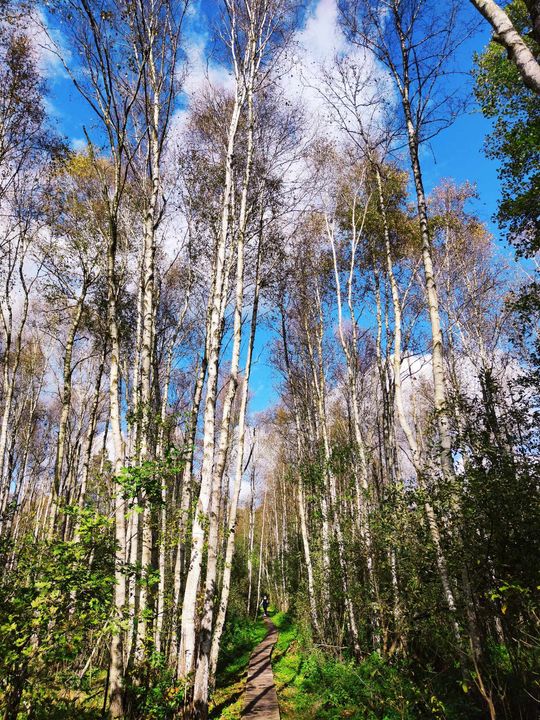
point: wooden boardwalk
(261, 701)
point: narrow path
(261, 701)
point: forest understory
(260, 336)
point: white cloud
(201, 71)
(79, 144)
(48, 44)
(321, 36)
(325, 68)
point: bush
(368, 690)
(54, 607)
(154, 692)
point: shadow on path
(260, 697)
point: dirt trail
(261, 701)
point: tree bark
(349, 350)
(116, 670)
(506, 34)
(202, 674)
(187, 634)
(66, 406)
(251, 540)
(238, 474)
(300, 492)
(404, 423)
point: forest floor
(312, 685)
(307, 685)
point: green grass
(313, 686)
(288, 660)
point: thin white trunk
(437, 350)
(315, 366)
(261, 547)
(251, 540)
(238, 474)
(116, 669)
(319, 383)
(202, 674)
(9, 378)
(300, 493)
(66, 407)
(416, 458)
(88, 444)
(189, 608)
(186, 490)
(349, 350)
(147, 343)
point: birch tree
(417, 73)
(251, 28)
(506, 34)
(111, 88)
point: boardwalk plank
(261, 701)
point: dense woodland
(387, 498)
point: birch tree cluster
(387, 497)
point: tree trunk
(187, 634)
(238, 474)
(251, 540)
(300, 491)
(116, 670)
(506, 34)
(89, 441)
(66, 406)
(437, 350)
(404, 423)
(186, 491)
(202, 674)
(261, 548)
(349, 350)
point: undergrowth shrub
(154, 693)
(375, 688)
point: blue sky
(456, 153)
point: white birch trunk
(238, 474)
(187, 634)
(251, 540)
(362, 492)
(506, 34)
(66, 406)
(9, 378)
(185, 499)
(89, 441)
(404, 423)
(116, 669)
(202, 674)
(261, 548)
(300, 491)
(437, 350)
